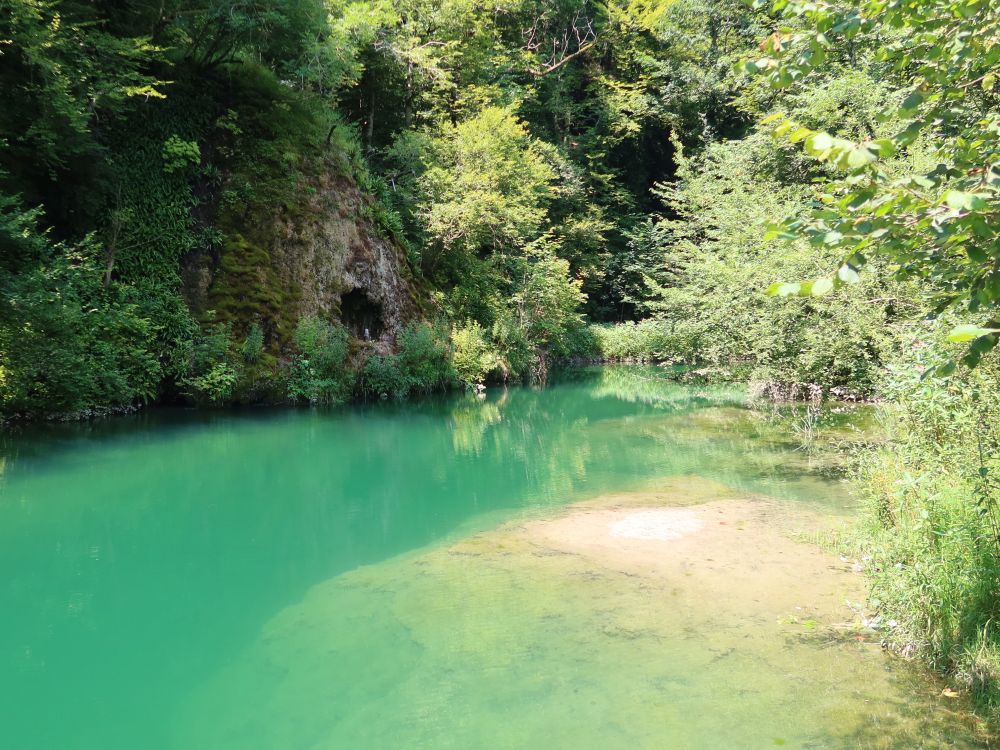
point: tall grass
(930, 529)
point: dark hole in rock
(359, 313)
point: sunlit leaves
(940, 225)
(960, 201)
(965, 333)
(848, 274)
(821, 287)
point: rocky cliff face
(331, 252)
(323, 255)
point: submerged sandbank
(686, 616)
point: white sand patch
(662, 525)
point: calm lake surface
(357, 578)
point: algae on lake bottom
(555, 631)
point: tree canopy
(541, 164)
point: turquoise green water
(297, 579)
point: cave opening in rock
(359, 313)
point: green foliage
(60, 71)
(424, 353)
(148, 222)
(507, 147)
(386, 215)
(648, 341)
(938, 223)
(67, 343)
(422, 364)
(382, 378)
(475, 357)
(482, 185)
(515, 351)
(265, 137)
(214, 386)
(319, 372)
(173, 328)
(253, 346)
(547, 301)
(178, 154)
(932, 526)
(717, 260)
(211, 373)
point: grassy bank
(930, 535)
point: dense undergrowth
(931, 532)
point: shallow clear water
(366, 578)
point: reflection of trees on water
(614, 427)
(471, 417)
(650, 385)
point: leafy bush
(67, 343)
(548, 301)
(319, 372)
(932, 527)
(513, 348)
(483, 183)
(173, 327)
(934, 220)
(215, 385)
(582, 342)
(179, 154)
(424, 354)
(647, 341)
(422, 364)
(253, 345)
(381, 377)
(718, 263)
(211, 376)
(474, 357)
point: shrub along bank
(931, 531)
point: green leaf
(968, 332)
(818, 144)
(908, 134)
(821, 287)
(946, 369)
(984, 344)
(859, 157)
(913, 101)
(960, 201)
(883, 146)
(848, 275)
(976, 254)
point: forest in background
(787, 193)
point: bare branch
(565, 40)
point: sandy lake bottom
(682, 616)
